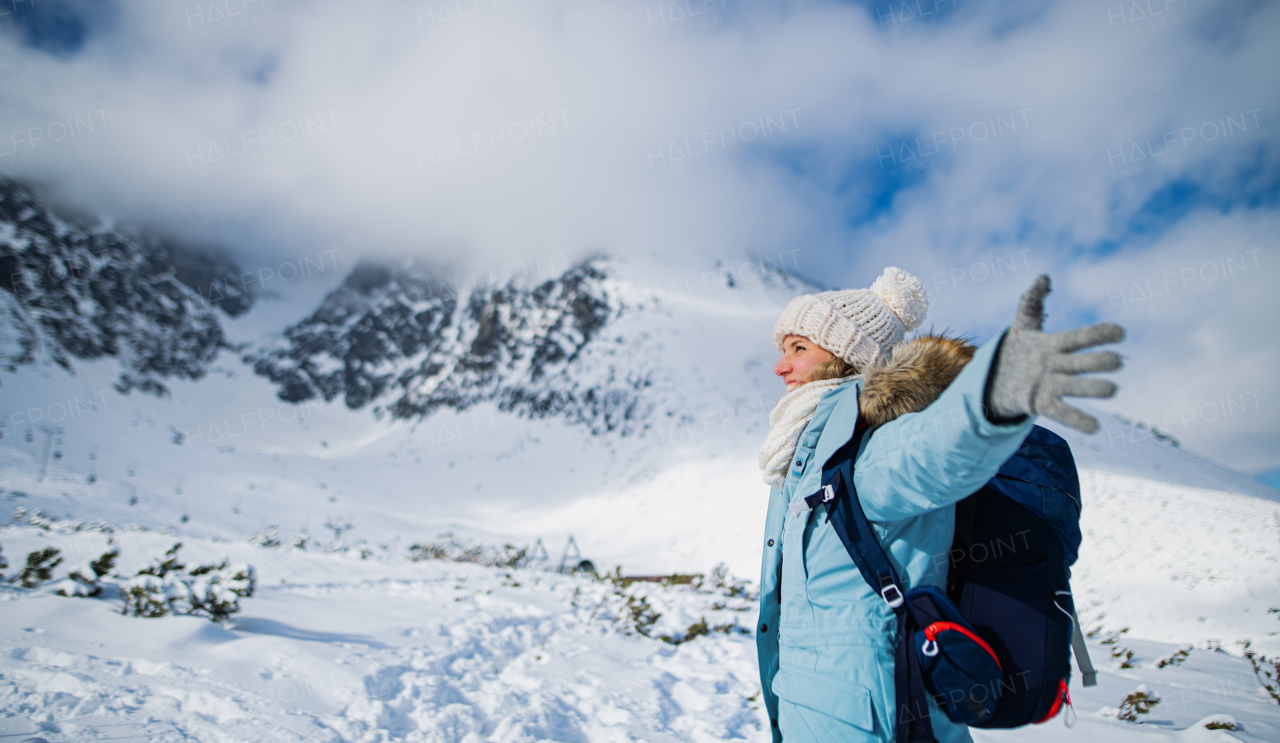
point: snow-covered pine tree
(39, 567)
(1139, 702)
(1267, 670)
(86, 581)
(216, 590)
(148, 593)
(166, 587)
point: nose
(782, 368)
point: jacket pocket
(849, 704)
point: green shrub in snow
(86, 581)
(1267, 671)
(39, 567)
(1175, 658)
(1124, 655)
(1219, 722)
(641, 616)
(509, 556)
(730, 586)
(166, 587)
(1139, 702)
(695, 630)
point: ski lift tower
(578, 564)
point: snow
(338, 648)
(333, 647)
(1178, 564)
(1126, 448)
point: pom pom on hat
(858, 325)
(905, 295)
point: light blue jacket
(825, 639)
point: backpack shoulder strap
(851, 525)
(1088, 675)
(911, 719)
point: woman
(947, 416)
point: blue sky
(1129, 150)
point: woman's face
(799, 356)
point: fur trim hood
(912, 378)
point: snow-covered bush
(217, 589)
(4, 564)
(732, 587)
(39, 567)
(86, 581)
(508, 556)
(81, 584)
(658, 606)
(1139, 702)
(1124, 655)
(147, 594)
(1118, 652)
(640, 616)
(47, 522)
(105, 562)
(166, 587)
(694, 631)
(1218, 722)
(269, 537)
(1267, 671)
(1175, 658)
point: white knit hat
(858, 325)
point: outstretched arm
(927, 460)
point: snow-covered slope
(1178, 564)
(1127, 448)
(339, 649)
(335, 648)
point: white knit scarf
(787, 421)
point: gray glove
(1033, 369)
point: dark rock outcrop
(401, 337)
(70, 291)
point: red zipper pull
(931, 636)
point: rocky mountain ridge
(71, 290)
(401, 338)
(396, 338)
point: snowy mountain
(1126, 447)
(404, 333)
(79, 292)
(385, 404)
(585, 343)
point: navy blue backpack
(993, 649)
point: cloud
(975, 144)
(1201, 310)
